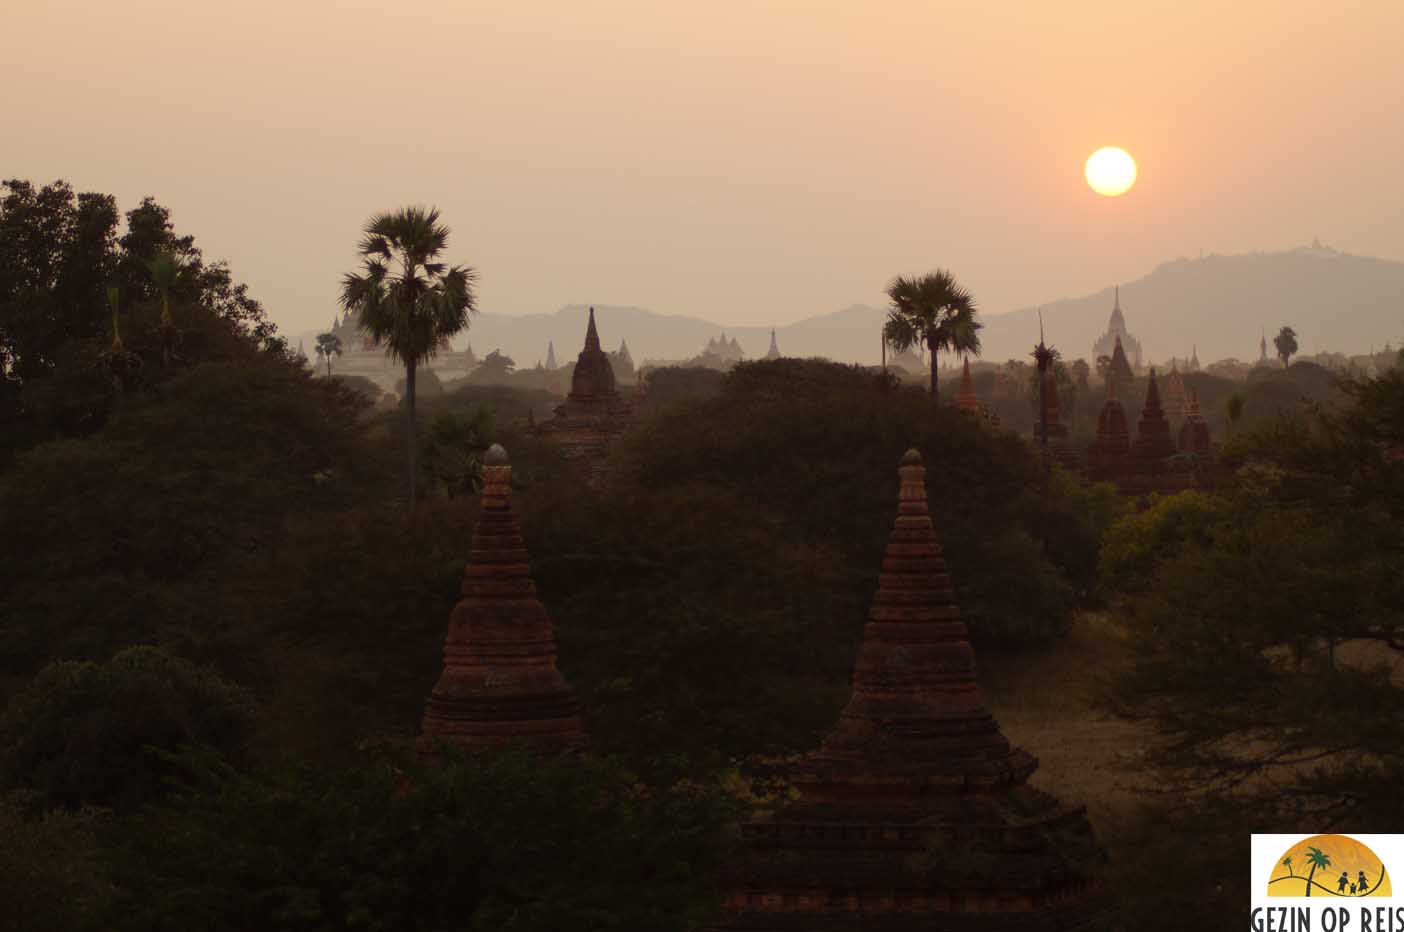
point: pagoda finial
(1117, 305)
(592, 336)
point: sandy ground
(1046, 703)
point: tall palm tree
(932, 311)
(1316, 859)
(165, 268)
(328, 345)
(406, 298)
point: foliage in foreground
(1287, 585)
(503, 843)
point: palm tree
(932, 311)
(1287, 863)
(1044, 358)
(1316, 859)
(415, 306)
(1286, 344)
(121, 364)
(328, 345)
(165, 269)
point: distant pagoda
(966, 399)
(1153, 441)
(1194, 433)
(1176, 399)
(500, 684)
(774, 351)
(915, 812)
(1106, 458)
(1120, 370)
(593, 414)
(1116, 330)
(1058, 446)
(551, 355)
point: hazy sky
(750, 162)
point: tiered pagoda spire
(915, 762)
(1106, 458)
(774, 351)
(1176, 400)
(1194, 434)
(966, 399)
(1120, 370)
(500, 684)
(593, 379)
(1153, 440)
(551, 354)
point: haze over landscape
(745, 164)
(446, 481)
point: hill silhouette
(1218, 303)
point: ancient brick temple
(1150, 462)
(593, 415)
(915, 813)
(1194, 433)
(1059, 448)
(500, 684)
(1119, 371)
(966, 399)
(1176, 397)
(1106, 458)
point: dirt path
(1046, 703)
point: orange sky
(750, 162)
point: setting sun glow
(1111, 171)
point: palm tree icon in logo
(1316, 858)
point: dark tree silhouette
(932, 311)
(1286, 343)
(328, 345)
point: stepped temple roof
(1153, 441)
(966, 399)
(774, 351)
(500, 684)
(593, 414)
(1194, 433)
(1175, 396)
(1117, 332)
(914, 813)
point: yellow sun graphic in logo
(1329, 865)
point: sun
(1110, 171)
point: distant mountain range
(1219, 304)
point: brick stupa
(1176, 398)
(1119, 371)
(500, 684)
(1106, 458)
(966, 399)
(1059, 448)
(1153, 440)
(915, 813)
(1194, 433)
(593, 415)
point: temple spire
(915, 761)
(592, 336)
(500, 684)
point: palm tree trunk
(1313, 871)
(328, 365)
(935, 385)
(409, 424)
